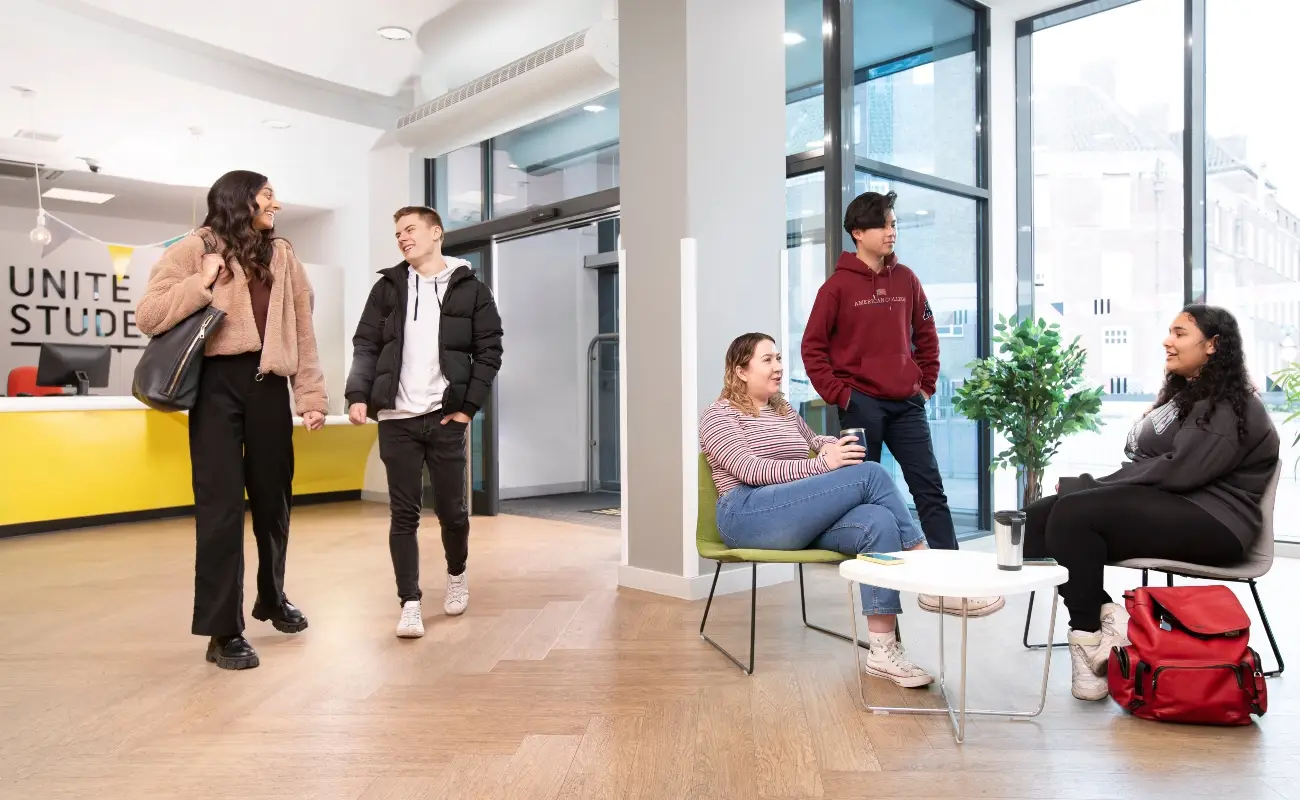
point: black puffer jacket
(469, 343)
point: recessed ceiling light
(922, 212)
(594, 108)
(278, 124)
(513, 166)
(792, 38)
(393, 33)
(77, 196)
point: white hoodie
(421, 383)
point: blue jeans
(850, 510)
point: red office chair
(22, 381)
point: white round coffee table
(953, 574)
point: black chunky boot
(286, 617)
(231, 652)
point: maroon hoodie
(874, 333)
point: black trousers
(241, 438)
(406, 447)
(902, 426)
(1086, 530)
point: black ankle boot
(231, 652)
(285, 617)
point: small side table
(953, 574)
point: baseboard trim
(374, 497)
(734, 578)
(521, 492)
(151, 514)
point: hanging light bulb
(40, 234)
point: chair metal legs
(1268, 629)
(803, 609)
(1029, 616)
(753, 608)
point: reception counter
(73, 462)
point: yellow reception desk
(73, 462)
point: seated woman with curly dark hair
(1199, 462)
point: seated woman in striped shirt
(772, 496)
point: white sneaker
(975, 606)
(1087, 683)
(457, 595)
(1114, 626)
(886, 660)
(411, 625)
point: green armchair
(708, 541)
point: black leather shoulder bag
(167, 376)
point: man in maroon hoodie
(871, 349)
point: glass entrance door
(485, 497)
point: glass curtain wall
(565, 156)
(1161, 170)
(906, 100)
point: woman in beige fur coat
(241, 427)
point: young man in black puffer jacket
(425, 353)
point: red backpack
(1190, 659)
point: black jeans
(901, 425)
(1086, 530)
(241, 438)
(406, 447)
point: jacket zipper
(185, 359)
(1236, 671)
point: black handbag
(167, 376)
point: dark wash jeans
(406, 446)
(901, 424)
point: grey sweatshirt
(1224, 475)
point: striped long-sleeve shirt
(758, 451)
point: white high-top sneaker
(886, 660)
(411, 624)
(1087, 684)
(1114, 632)
(457, 595)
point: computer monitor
(80, 365)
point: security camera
(91, 163)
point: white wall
(76, 263)
(548, 303)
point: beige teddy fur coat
(176, 291)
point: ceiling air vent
(561, 75)
(19, 171)
(37, 136)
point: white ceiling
(125, 81)
(330, 39)
(182, 206)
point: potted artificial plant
(1287, 381)
(1028, 392)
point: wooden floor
(554, 685)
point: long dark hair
(1223, 378)
(232, 204)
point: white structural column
(703, 228)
